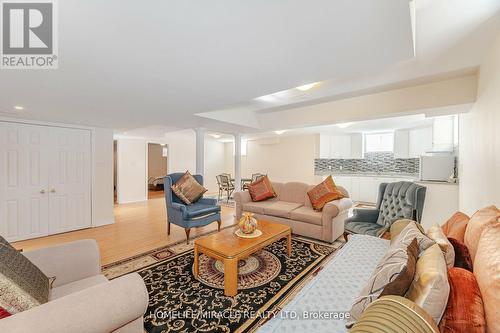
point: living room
(252, 179)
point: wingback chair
(400, 200)
(198, 214)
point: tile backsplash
(383, 163)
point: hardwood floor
(138, 227)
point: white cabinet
(420, 141)
(413, 142)
(442, 133)
(324, 146)
(401, 143)
(340, 146)
(367, 190)
(357, 148)
(344, 146)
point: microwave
(437, 167)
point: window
(379, 142)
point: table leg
(196, 263)
(289, 244)
(230, 277)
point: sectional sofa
(338, 284)
(293, 207)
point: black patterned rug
(267, 280)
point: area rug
(267, 280)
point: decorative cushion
(399, 225)
(456, 225)
(324, 192)
(22, 285)
(394, 314)
(487, 272)
(399, 286)
(392, 264)
(462, 255)
(188, 189)
(480, 220)
(465, 311)
(436, 234)
(410, 232)
(430, 287)
(261, 189)
(3, 313)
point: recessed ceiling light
(215, 136)
(344, 125)
(266, 98)
(308, 86)
(280, 132)
(19, 107)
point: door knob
(52, 190)
(42, 191)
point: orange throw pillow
(478, 222)
(456, 225)
(465, 311)
(323, 193)
(261, 189)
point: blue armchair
(400, 200)
(198, 214)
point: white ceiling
(157, 65)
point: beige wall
(132, 173)
(157, 164)
(288, 158)
(479, 162)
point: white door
(23, 181)
(69, 180)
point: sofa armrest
(68, 262)
(364, 215)
(240, 198)
(331, 210)
(102, 308)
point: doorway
(157, 169)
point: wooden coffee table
(229, 248)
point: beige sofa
(81, 300)
(293, 207)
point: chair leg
(218, 225)
(187, 235)
(168, 227)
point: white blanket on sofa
(318, 305)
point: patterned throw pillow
(323, 193)
(188, 189)
(410, 232)
(399, 286)
(22, 285)
(462, 255)
(395, 262)
(430, 288)
(464, 311)
(436, 234)
(261, 189)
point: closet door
(23, 181)
(69, 179)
